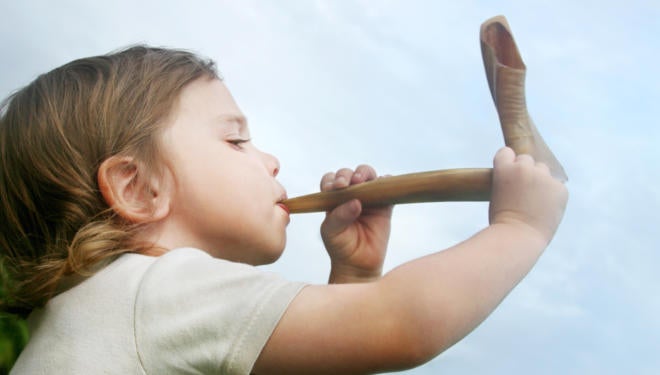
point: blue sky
(400, 85)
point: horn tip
(499, 19)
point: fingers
(525, 159)
(506, 155)
(341, 218)
(345, 177)
(543, 167)
(327, 181)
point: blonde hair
(54, 134)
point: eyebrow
(239, 119)
(232, 117)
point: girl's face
(224, 198)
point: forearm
(406, 317)
(443, 296)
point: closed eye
(238, 143)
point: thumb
(340, 218)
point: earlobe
(123, 186)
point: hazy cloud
(400, 85)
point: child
(135, 207)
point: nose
(272, 164)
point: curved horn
(505, 72)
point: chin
(271, 257)
(268, 254)
(267, 261)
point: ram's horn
(505, 72)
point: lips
(280, 203)
(284, 207)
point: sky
(400, 85)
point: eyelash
(238, 142)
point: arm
(422, 307)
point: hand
(355, 239)
(524, 193)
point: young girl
(135, 209)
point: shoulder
(217, 314)
(189, 269)
(192, 276)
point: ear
(123, 186)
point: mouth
(282, 205)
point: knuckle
(344, 171)
(326, 181)
(366, 170)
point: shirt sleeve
(195, 314)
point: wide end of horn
(496, 35)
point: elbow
(419, 345)
(416, 336)
(409, 353)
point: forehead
(206, 102)
(206, 107)
(208, 97)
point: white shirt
(184, 312)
